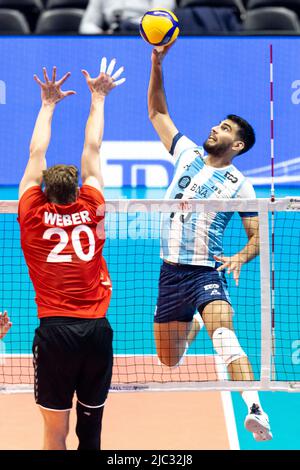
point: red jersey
(62, 245)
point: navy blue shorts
(184, 289)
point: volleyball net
(267, 324)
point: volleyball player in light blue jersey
(192, 274)
(199, 238)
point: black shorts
(72, 355)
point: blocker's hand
(105, 81)
(233, 264)
(50, 90)
(5, 324)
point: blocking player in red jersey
(72, 346)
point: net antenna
(272, 197)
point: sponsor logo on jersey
(211, 286)
(216, 189)
(215, 292)
(187, 166)
(202, 190)
(184, 182)
(230, 177)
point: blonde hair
(61, 183)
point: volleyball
(159, 27)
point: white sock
(251, 397)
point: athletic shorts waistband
(186, 267)
(61, 320)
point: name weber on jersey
(65, 220)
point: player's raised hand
(51, 92)
(105, 81)
(159, 53)
(5, 324)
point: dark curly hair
(245, 133)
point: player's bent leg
(217, 317)
(216, 314)
(88, 427)
(171, 341)
(56, 428)
(197, 325)
(241, 369)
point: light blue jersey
(194, 238)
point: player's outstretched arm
(51, 94)
(157, 104)
(99, 88)
(5, 324)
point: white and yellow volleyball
(159, 27)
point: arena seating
(59, 21)
(197, 17)
(13, 22)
